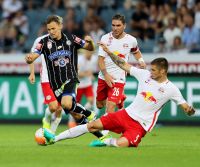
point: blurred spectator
(9, 36)
(87, 27)
(171, 32)
(188, 3)
(42, 30)
(97, 32)
(10, 7)
(197, 15)
(180, 13)
(52, 4)
(190, 36)
(161, 46)
(137, 18)
(70, 26)
(178, 45)
(21, 22)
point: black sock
(82, 121)
(97, 134)
(81, 110)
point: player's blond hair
(54, 18)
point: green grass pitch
(163, 147)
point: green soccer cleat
(97, 143)
(45, 124)
(100, 142)
(91, 117)
(49, 136)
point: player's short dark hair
(161, 63)
(54, 18)
(119, 17)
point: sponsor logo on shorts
(48, 97)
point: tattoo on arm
(118, 61)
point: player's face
(117, 28)
(156, 73)
(54, 30)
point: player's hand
(109, 80)
(190, 111)
(29, 58)
(88, 38)
(142, 64)
(31, 78)
(104, 47)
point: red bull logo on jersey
(148, 97)
(116, 53)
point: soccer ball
(39, 137)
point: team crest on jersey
(49, 44)
(161, 90)
(68, 42)
(61, 62)
(125, 45)
(109, 41)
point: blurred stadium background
(169, 28)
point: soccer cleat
(49, 136)
(100, 142)
(97, 143)
(121, 105)
(45, 124)
(91, 117)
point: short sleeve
(134, 47)
(138, 73)
(79, 43)
(177, 96)
(101, 52)
(38, 46)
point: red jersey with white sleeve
(151, 97)
(43, 72)
(125, 46)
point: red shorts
(121, 122)
(114, 94)
(48, 93)
(88, 92)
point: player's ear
(124, 26)
(61, 26)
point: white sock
(72, 133)
(47, 115)
(55, 123)
(88, 105)
(111, 142)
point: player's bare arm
(138, 56)
(189, 110)
(108, 78)
(89, 44)
(31, 57)
(31, 77)
(116, 59)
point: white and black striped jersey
(61, 58)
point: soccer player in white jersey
(111, 79)
(86, 77)
(49, 98)
(154, 90)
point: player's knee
(99, 105)
(91, 126)
(53, 108)
(67, 105)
